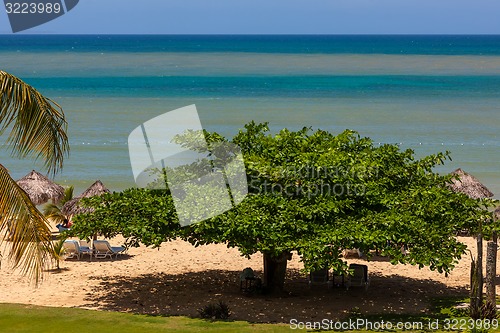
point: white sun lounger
(73, 249)
(102, 249)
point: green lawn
(37, 319)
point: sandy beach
(178, 279)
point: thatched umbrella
(40, 189)
(470, 185)
(73, 207)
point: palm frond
(28, 231)
(53, 212)
(68, 194)
(50, 209)
(59, 251)
(38, 123)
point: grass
(28, 318)
(36, 319)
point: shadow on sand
(89, 259)
(184, 294)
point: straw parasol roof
(72, 207)
(40, 189)
(469, 185)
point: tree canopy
(315, 193)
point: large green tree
(37, 129)
(315, 193)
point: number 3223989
(32, 8)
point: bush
(489, 311)
(219, 311)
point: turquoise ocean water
(428, 93)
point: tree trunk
(474, 309)
(274, 271)
(476, 279)
(479, 268)
(491, 271)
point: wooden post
(491, 269)
(479, 268)
(476, 292)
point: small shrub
(489, 311)
(219, 311)
(355, 312)
(58, 251)
(486, 311)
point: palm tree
(52, 211)
(37, 129)
(59, 252)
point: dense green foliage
(316, 193)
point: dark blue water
(280, 86)
(297, 44)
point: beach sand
(179, 279)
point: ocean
(427, 93)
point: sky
(273, 17)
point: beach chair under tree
(73, 249)
(359, 277)
(102, 249)
(319, 277)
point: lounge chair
(359, 277)
(85, 248)
(249, 283)
(73, 249)
(102, 249)
(338, 280)
(319, 277)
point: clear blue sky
(275, 17)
